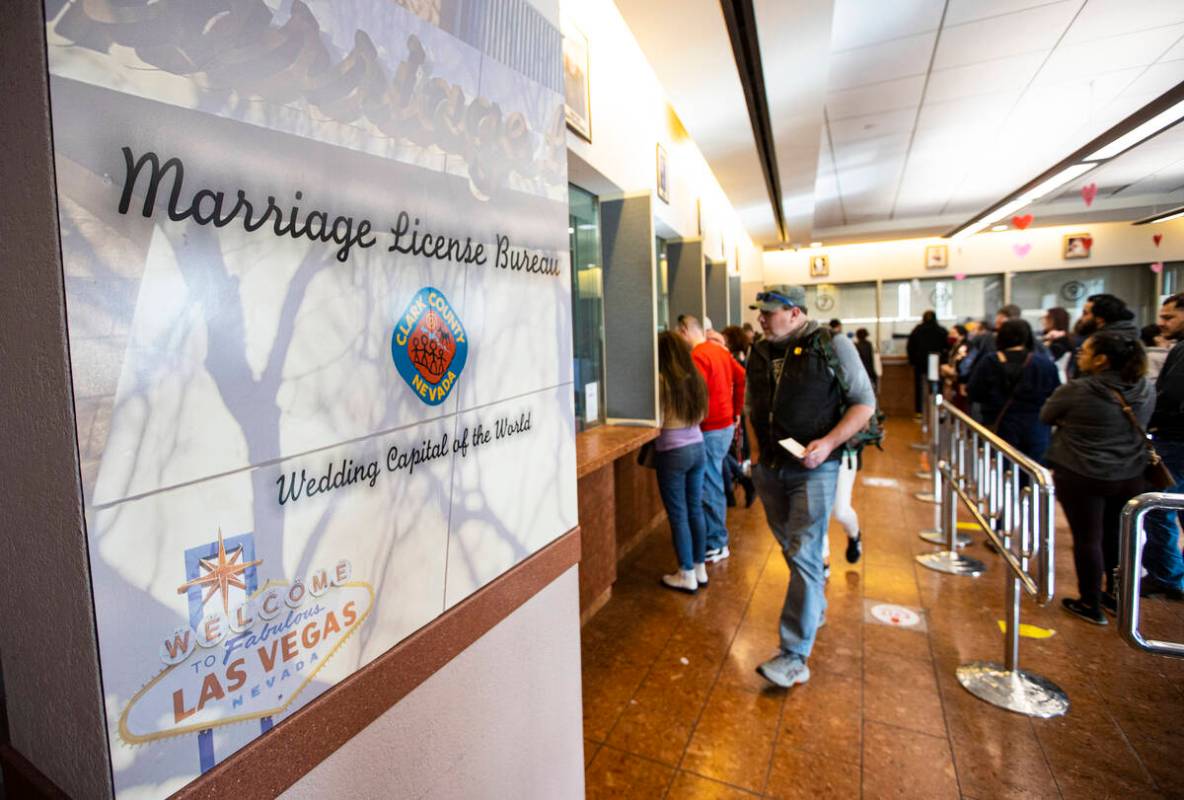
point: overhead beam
(740, 19)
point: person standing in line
(1161, 553)
(793, 393)
(1102, 312)
(867, 355)
(725, 398)
(1012, 385)
(734, 469)
(681, 459)
(1156, 347)
(1098, 454)
(836, 327)
(928, 337)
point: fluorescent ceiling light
(1161, 216)
(994, 216)
(1148, 128)
(1056, 181)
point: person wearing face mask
(1098, 455)
(807, 396)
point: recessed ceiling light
(1161, 216)
(816, 244)
(999, 227)
(1149, 128)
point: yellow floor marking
(1029, 631)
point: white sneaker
(784, 670)
(684, 581)
(718, 554)
(701, 574)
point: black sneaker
(749, 491)
(1091, 614)
(854, 549)
(1109, 603)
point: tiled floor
(673, 707)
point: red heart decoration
(1157, 238)
(1088, 241)
(1022, 222)
(1088, 193)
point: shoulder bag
(1156, 473)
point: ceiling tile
(858, 23)
(878, 63)
(963, 11)
(888, 96)
(870, 126)
(1087, 59)
(1102, 19)
(1001, 74)
(1033, 30)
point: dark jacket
(1027, 383)
(926, 338)
(867, 355)
(1167, 423)
(1093, 437)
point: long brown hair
(682, 391)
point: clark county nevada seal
(429, 346)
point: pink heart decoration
(1157, 238)
(1022, 222)
(1088, 193)
(1157, 266)
(961, 276)
(1021, 250)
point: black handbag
(1156, 473)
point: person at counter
(802, 413)
(681, 459)
(928, 337)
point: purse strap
(1011, 396)
(1130, 414)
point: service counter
(896, 387)
(618, 505)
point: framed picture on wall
(819, 266)
(937, 256)
(577, 93)
(1077, 245)
(663, 176)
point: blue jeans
(797, 505)
(1161, 553)
(680, 482)
(715, 505)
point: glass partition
(1068, 288)
(587, 307)
(903, 302)
(853, 304)
(662, 284)
(1173, 279)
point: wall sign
(317, 277)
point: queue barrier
(1130, 570)
(1011, 497)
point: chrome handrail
(987, 474)
(1130, 570)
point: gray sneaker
(717, 554)
(785, 670)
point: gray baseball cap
(780, 295)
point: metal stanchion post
(933, 415)
(949, 560)
(1130, 571)
(936, 535)
(1008, 686)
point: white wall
(631, 115)
(502, 719)
(1114, 243)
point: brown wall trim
(272, 763)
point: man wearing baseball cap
(809, 387)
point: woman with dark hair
(1011, 385)
(681, 459)
(1098, 455)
